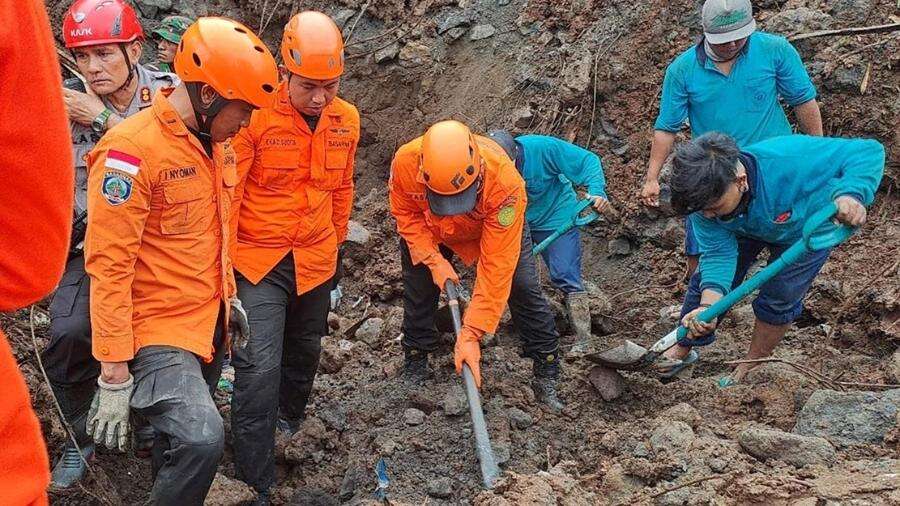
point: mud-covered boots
(415, 366)
(74, 400)
(578, 308)
(70, 468)
(546, 379)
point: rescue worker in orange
(159, 195)
(453, 192)
(105, 39)
(35, 216)
(291, 208)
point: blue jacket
(549, 167)
(790, 178)
(743, 104)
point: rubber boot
(578, 308)
(415, 366)
(74, 402)
(288, 425)
(546, 379)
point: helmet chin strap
(204, 114)
(131, 69)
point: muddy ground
(590, 72)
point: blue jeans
(563, 259)
(779, 301)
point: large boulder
(848, 418)
(794, 449)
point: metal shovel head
(628, 356)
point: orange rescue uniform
(156, 246)
(35, 221)
(490, 234)
(295, 190)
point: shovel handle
(818, 233)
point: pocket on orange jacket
(336, 161)
(183, 211)
(278, 169)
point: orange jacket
(156, 245)
(294, 191)
(35, 217)
(490, 234)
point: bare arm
(809, 117)
(659, 151)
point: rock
(619, 246)
(456, 33)
(803, 19)
(519, 419)
(334, 321)
(343, 16)
(387, 54)
(847, 418)
(893, 371)
(851, 12)
(846, 78)
(311, 497)
(454, 20)
(413, 416)
(672, 436)
(370, 331)
(414, 54)
(455, 402)
(682, 412)
(480, 32)
(152, 8)
(501, 3)
(353, 478)
(717, 465)
(333, 356)
(667, 234)
(794, 449)
(501, 453)
(523, 117)
(356, 232)
(227, 492)
(439, 488)
(307, 441)
(676, 497)
(333, 415)
(576, 76)
(608, 382)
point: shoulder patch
(116, 188)
(507, 216)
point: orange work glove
(441, 271)
(468, 350)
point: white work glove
(108, 416)
(239, 324)
(336, 296)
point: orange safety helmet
(229, 57)
(450, 164)
(312, 46)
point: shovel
(818, 234)
(489, 469)
(577, 221)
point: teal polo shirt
(743, 104)
(794, 176)
(550, 167)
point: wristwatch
(99, 123)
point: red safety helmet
(95, 22)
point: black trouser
(70, 365)
(173, 391)
(277, 367)
(531, 314)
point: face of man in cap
(729, 50)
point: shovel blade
(626, 357)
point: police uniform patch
(507, 216)
(116, 188)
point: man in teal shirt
(730, 82)
(743, 201)
(551, 168)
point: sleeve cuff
(806, 97)
(857, 196)
(113, 348)
(716, 287)
(667, 127)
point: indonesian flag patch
(123, 161)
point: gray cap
(727, 20)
